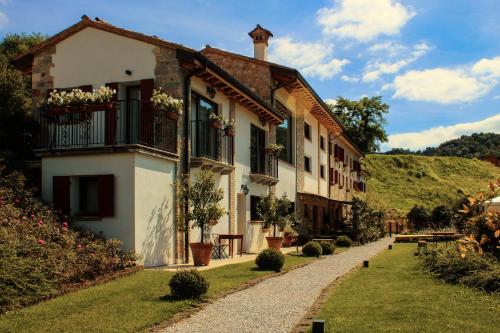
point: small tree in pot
(275, 212)
(205, 211)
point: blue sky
(436, 63)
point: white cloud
(435, 136)
(388, 48)
(350, 79)
(489, 67)
(4, 20)
(364, 20)
(313, 59)
(331, 101)
(375, 69)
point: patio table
(231, 238)
(447, 235)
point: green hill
(400, 181)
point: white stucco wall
(144, 213)
(97, 57)
(311, 149)
(121, 225)
(154, 201)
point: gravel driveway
(276, 304)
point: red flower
(40, 222)
(41, 242)
(65, 224)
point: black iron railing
(210, 142)
(117, 123)
(263, 163)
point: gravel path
(276, 304)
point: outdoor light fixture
(245, 189)
(263, 121)
(128, 72)
(211, 91)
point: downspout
(186, 171)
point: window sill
(82, 218)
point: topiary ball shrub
(327, 247)
(270, 260)
(343, 241)
(188, 284)
(312, 249)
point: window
(84, 195)
(306, 211)
(88, 193)
(322, 171)
(284, 137)
(254, 200)
(307, 131)
(257, 150)
(322, 142)
(203, 136)
(307, 163)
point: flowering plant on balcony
(80, 97)
(166, 102)
(274, 149)
(216, 121)
(228, 126)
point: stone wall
(42, 81)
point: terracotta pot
(172, 115)
(215, 124)
(201, 253)
(229, 131)
(274, 242)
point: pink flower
(32, 216)
(41, 242)
(24, 217)
(65, 224)
(40, 222)
(78, 247)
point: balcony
(126, 122)
(263, 167)
(211, 149)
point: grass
(129, 304)
(400, 181)
(392, 296)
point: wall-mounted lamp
(128, 72)
(263, 121)
(211, 91)
(245, 189)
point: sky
(435, 62)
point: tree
(204, 199)
(441, 216)
(364, 121)
(17, 126)
(275, 211)
(418, 217)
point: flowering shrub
(78, 96)
(39, 253)
(275, 148)
(167, 102)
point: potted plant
(165, 102)
(216, 121)
(289, 236)
(79, 101)
(229, 127)
(203, 198)
(275, 212)
(274, 149)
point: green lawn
(129, 304)
(392, 296)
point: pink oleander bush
(40, 253)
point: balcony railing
(122, 123)
(263, 166)
(211, 143)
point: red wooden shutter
(106, 195)
(86, 88)
(147, 87)
(60, 193)
(110, 119)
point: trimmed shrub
(473, 270)
(270, 260)
(343, 241)
(418, 218)
(188, 284)
(327, 247)
(312, 249)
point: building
(115, 170)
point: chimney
(260, 38)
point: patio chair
(220, 250)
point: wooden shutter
(331, 176)
(106, 195)
(110, 119)
(61, 193)
(336, 177)
(147, 118)
(86, 88)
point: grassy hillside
(400, 181)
